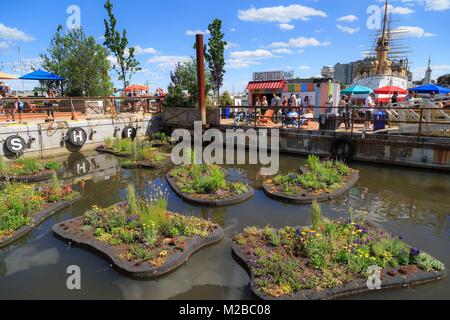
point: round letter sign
(77, 136)
(129, 132)
(16, 144)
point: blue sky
(263, 35)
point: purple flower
(299, 231)
(414, 251)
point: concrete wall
(395, 150)
(47, 139)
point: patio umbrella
(136, 87)
(390, 90)
(428, 88)
(357, 90)
(41, 75)
(5, 76)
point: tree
(80, 61)
(184, 78)
(444, 80)
(215, 56)
(126, 65)
(226, 100)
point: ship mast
(383, 45)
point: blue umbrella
(357, 90)
(41, 75)
(428, 88)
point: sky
(262, 35)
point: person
(116, 101)
(292, 117)
(264, 102)
(369, 104)
(330, 103)
(347, 111)
(273, 101)
(10, 110)
(394, 99)
(19, 106)
(48, 105)
(294, 101)
(307, 115)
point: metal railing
(408, 118)
(34, 107)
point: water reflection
(414, 204)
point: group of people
(12, 104)
(290, 110)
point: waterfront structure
(427, 78)
(384, 67)
(327, 72)
(345, 73)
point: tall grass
(316, 214)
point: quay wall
(392, 150)
(50, 139)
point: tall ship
(384, 66)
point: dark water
(414, 204)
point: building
(327, 72)
(317, 90)
(427, 78)
(345, 73)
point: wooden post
(201, 77)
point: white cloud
(413, 32)
(4, 45)
(304, 67)
(240, 63)
(300, 42)
(349, 18)
(232, 30)
(195, 32)
(256, 54)
(13, 34)
(437, 5)
(399, 10)
(231, 45)
(286, 26)
(347, 29)
(283, 51)
(281, 14)
(167, 62)
(138, 50)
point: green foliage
(225, 99)
(126, 65)
(428, 263)
(144, 226)
(316, 215)
(81, 61)
(322, 175)
(24, 166)
(108, 142)
(214, 55)
(327, 255)
(132, 199)
(17, 204)
(184, 78)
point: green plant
(108, 142)
(132, 201)
(428, 263)
(316, 215)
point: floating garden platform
(29, 170)
(204, 184)
(24, 207)
(141, 238)
(318, 180)
(328, 260)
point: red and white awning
(265, 85)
